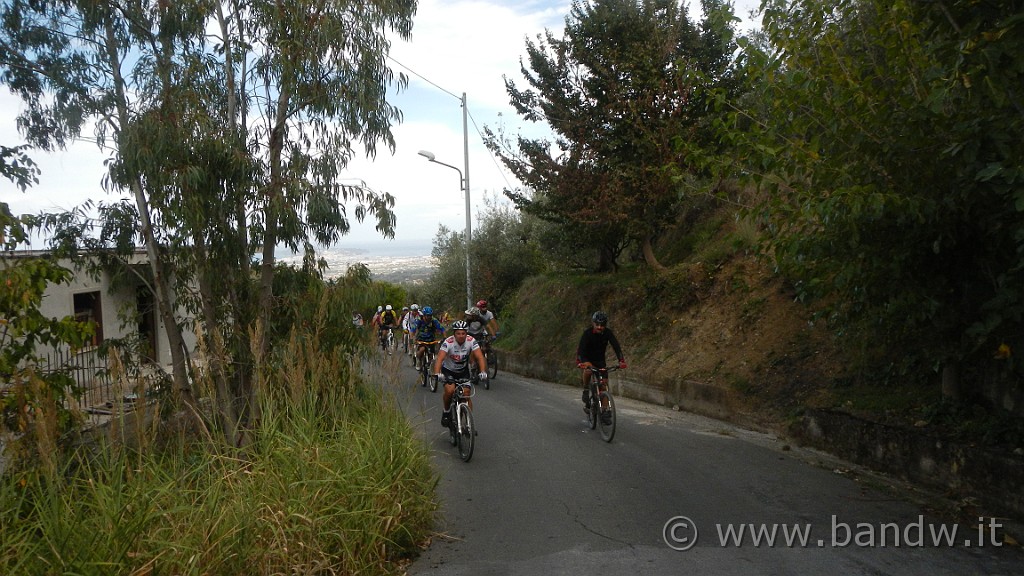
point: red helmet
(481, 304)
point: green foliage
(895, 187)
(625, 90)
(17, 167)
(23, 329)
(505, 251)
(332, 485)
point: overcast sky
(462, 46)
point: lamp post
(464, 185)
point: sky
(463, 46)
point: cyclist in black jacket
(591, 350)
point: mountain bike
(387, 339)
(601, 410)
(427, 365)
(491, 355)
(460, 419)
(492, 362)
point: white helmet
(380, 308)
(414, 307)
(388, 307)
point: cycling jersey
(593, 344)
(388, 318)
(428, 331)
(457, 355)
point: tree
(887, 135)
(625, 91)
(506, 249)
(229, 146)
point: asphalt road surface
(544, 495)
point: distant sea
(398, 261)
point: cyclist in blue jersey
(426, 331)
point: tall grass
(335, 482)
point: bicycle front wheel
(467, 434)
(595, 409)
(607, 419)
(453, 427)
(492, 364)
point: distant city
(399, 262)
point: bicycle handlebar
(607, 369)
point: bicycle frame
(599, 380)
(601, 409)
(462, 432)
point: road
(543, 494)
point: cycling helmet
(481, 304)
(404, 308)
(388, 307)
(460, 325)
(428, 310)
(474, 311)
(414, 307)
(380, 308)
(600, 318)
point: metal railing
(90, 371)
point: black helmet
(600, 318)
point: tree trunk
(607, 261)
(951, 385)
(161, 284)
(215, 350)
(649, 256)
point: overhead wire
(466, 104)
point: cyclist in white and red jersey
(453, 362)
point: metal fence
(90, 371)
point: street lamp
(464, 186)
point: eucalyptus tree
(625, 91)
(888, 133)
(230, 144)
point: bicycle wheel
(595, 410)
(467, 435)
(453, 435)
(428, 365)
(492, 364)
(607, 418)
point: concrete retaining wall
(993, 478)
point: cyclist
(426, 329)
(478, 329)
(388, 322)
(408, 323)
(453, 362)
(488, 318)
(591, 351)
